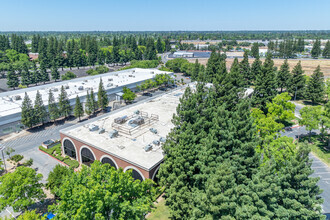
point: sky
(166, 15)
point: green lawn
(161, 212)
(319, 147)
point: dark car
(147, 94)
(163, 89)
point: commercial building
(129, 138)
(183, 54)
(10, 102)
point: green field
(161, 212)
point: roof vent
(153, 130)
(17, 97)
(162, 139)
(148, 148)
(55, 89)
(93, 127)
(121, 120)
(110, 79)
(101, 131)
(156, 142)
(80, 88)
(66, 87)
(110, 84)
(113, 134)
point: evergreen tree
(94, 105)
(326, 50)
(255, 69)
(36, 76)
(64, 103)
(159, 46)
(41, 113)
(316, 50)
(78, 108)
(26, 75)
(55, 74)
(52, 107)
(28, 113)
(12, 78)
(245, 68)
(315, 87)
(88, 106)
(255, 50)
(43, 72)
(102, 97)
(265, 85)
(297, 83)
(283, 76)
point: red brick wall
(98, 154)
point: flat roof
(183, 52)
(128, 147)
(79, 86)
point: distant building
(33, 56)
(183, 54)
(201, 46)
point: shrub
(28, 163)
(142, 64)
(72, 163)
(92, 72)
(102, 69)
(17, 158)
(22, 86)
(68, 75)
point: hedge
(57, 155)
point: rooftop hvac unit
(85, 80)
(162, 139)
(110, 84)
(121, 120)
(152, 72)
(137, 112)
(137, 121)
(156, 142)
(113, 134)
(133, 71)
(148, 148)
(153, 130)
(93, 127)
(17, 97)
(110, 79)
(55, 89)
(130, 75)
(80, 88)
(101, 131)
(66, 87)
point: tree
(245, 68)
(265, 85)
(52, 107)
(255, 69)
(30, 215)
(37, 77)
(56, 177)
(315, 86)
(55, 74)
(28, 112)
(64, 103)
(43, 72)
(102, 98)
(326, 50)
(20, 189)
(316, 50)
(310, 117)
(128, 94)
(41, 113)
(78, 108)
(297, 82)
(104, 193)
(12, 78)
(283, 76)
(26, 77)
(255, 50)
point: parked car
(147, 94)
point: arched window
(109, 161)
(155, 176)
(87, 156)
(69, 149)
(136, 175)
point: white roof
(121, 78)
(183, 53)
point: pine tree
(12, 78)
(297, 82)
(94, 105)
(326, 50)
(283, 76)
(265, 86)
(102, 97)
(316, 50)
(245, 69)
(43, 72)
(78, 108)
(52, 107)
(315, 87)
(88, 106)
(28, 113)
(55, 74)
(41, 113)
(64, 103)
(36, 74)
(255, 69)
(26, 75)
(255, 50)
